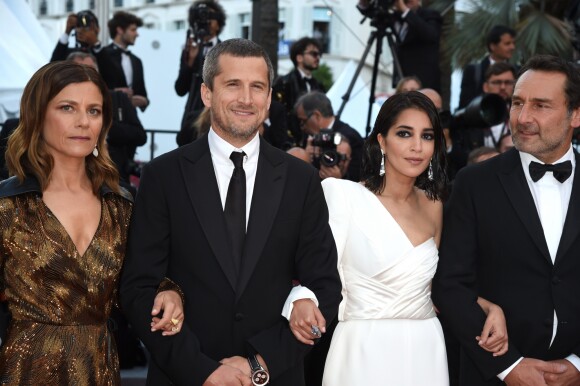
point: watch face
(260, 377)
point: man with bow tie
(512, 235)
(120, 68)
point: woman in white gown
(387, 230)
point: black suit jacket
(178, 230)
(472, 81)
(109, 60)
(493, 246)
(418, 52)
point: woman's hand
(172, 320)
(494, 336)
(306, 321)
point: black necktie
(235, 209)
(561, 171)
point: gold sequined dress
(59, 301)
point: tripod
(384, 28)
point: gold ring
(173, 329)
(175, 322)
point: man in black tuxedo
(500, 43)
(232, 242)
(120, 68)
(305, 54)
(196, 47)
(511, 234)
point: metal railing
(152, 146)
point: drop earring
(95, 151)
(382, 169)
(430, 171)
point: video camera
(380, 12)
(483, 111)
(327, 140)
(199, 19)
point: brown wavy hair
(27, 154)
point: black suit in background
(472, 81)
(493, 246)
(356, 144)
(109, 61)
(178, 230)
(418, 50)
(125, 135)
(286, 90)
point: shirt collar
(221, 149)
(303, 75)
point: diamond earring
(382, 169)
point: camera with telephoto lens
(85, 19)
(327, 140)
(199, 20)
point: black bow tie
(561, 171)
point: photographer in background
(499, 79)
(206, 20)
(85, 26)
(418, 31)
(317, 120)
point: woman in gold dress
(63, 225)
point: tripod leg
(361, 63)
(396, 62)
(378, 52)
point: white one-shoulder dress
(387, 333)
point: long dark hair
(387, 117)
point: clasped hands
(234, 371)
(535, 372)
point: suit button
(239, 317)
(548, 322)
(556, 280)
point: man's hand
(242, 364)
(239, 363)
(569, 377)
(228, 376)
(71, 23)
(329, 171)
(530, 372)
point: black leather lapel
(268, 190)
(201, 184)
(513, 179)
(571, 229)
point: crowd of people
(276, 245)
